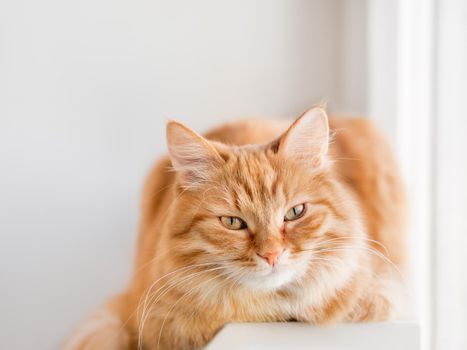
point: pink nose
(272, 257)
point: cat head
(261, 214)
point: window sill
(298, 336)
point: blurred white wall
(85, 90)
(450, 241)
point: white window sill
(298, 336)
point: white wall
(85, 89)
(355, 74)
(382, 41)
(450, 244)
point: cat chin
(271, 280)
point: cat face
(261, 214)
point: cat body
(260, 221)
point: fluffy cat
(260, 221)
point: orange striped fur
(338, 262)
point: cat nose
(272, 256)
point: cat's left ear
(307, 138)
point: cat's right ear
(192, 155)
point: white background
(450, 187)
(86, 88)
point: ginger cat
(260, 221)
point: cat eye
(295, 213)
(233, 223)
